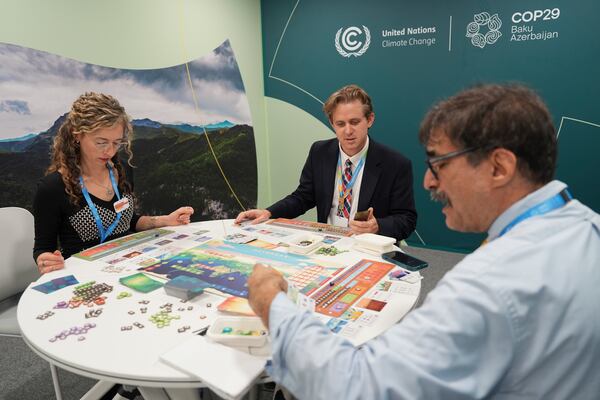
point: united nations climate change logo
(346, 42)
(493, 24)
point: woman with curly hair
(85, 198)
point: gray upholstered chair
(17, 270)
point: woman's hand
(181, 216)
(48, 262)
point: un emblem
(348, 43)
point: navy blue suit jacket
(387, 186)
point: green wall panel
(556, 51)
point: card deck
(140, 282)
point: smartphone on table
(404, 260)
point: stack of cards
(140, 282)
(185, 287)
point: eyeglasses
(103, 146)
(434, 160)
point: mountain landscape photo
(173, 164)
(172, 167)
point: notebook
(227, 371)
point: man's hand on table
(263, 285)
(256, 216)
(368, 226)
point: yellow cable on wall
(197, 108)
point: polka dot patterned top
(59, 224)
(84, 224)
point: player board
(226, 266)
(311, 226)
(116, 245)
(335, 298)
(312, 277)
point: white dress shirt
(334, 218)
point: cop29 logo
(348, 41)
(482, 20)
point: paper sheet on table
(225, 370)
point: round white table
(110, 354)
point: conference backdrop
(408, 55)
(189, 72)
(192, 141)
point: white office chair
(17, 270)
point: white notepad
(227, 371)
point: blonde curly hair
(91, 111)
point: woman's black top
(59, 224)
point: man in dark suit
(351, 173)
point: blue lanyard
(103, 233)
(554, 202)
(349, 185)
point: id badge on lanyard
(103, 233)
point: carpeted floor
(25, 376)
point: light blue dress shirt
(517, 319)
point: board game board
(335, 298)
(226, 266)
(116, 245)
(311, 226)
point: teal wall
(302, 67)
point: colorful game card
(397, 274)
(140, 282)
(330, 239)
(351, 314)
(56, 284)
(336, 325)
(236, 305)
(371, 304)
(132, 254)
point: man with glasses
(519, 318)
